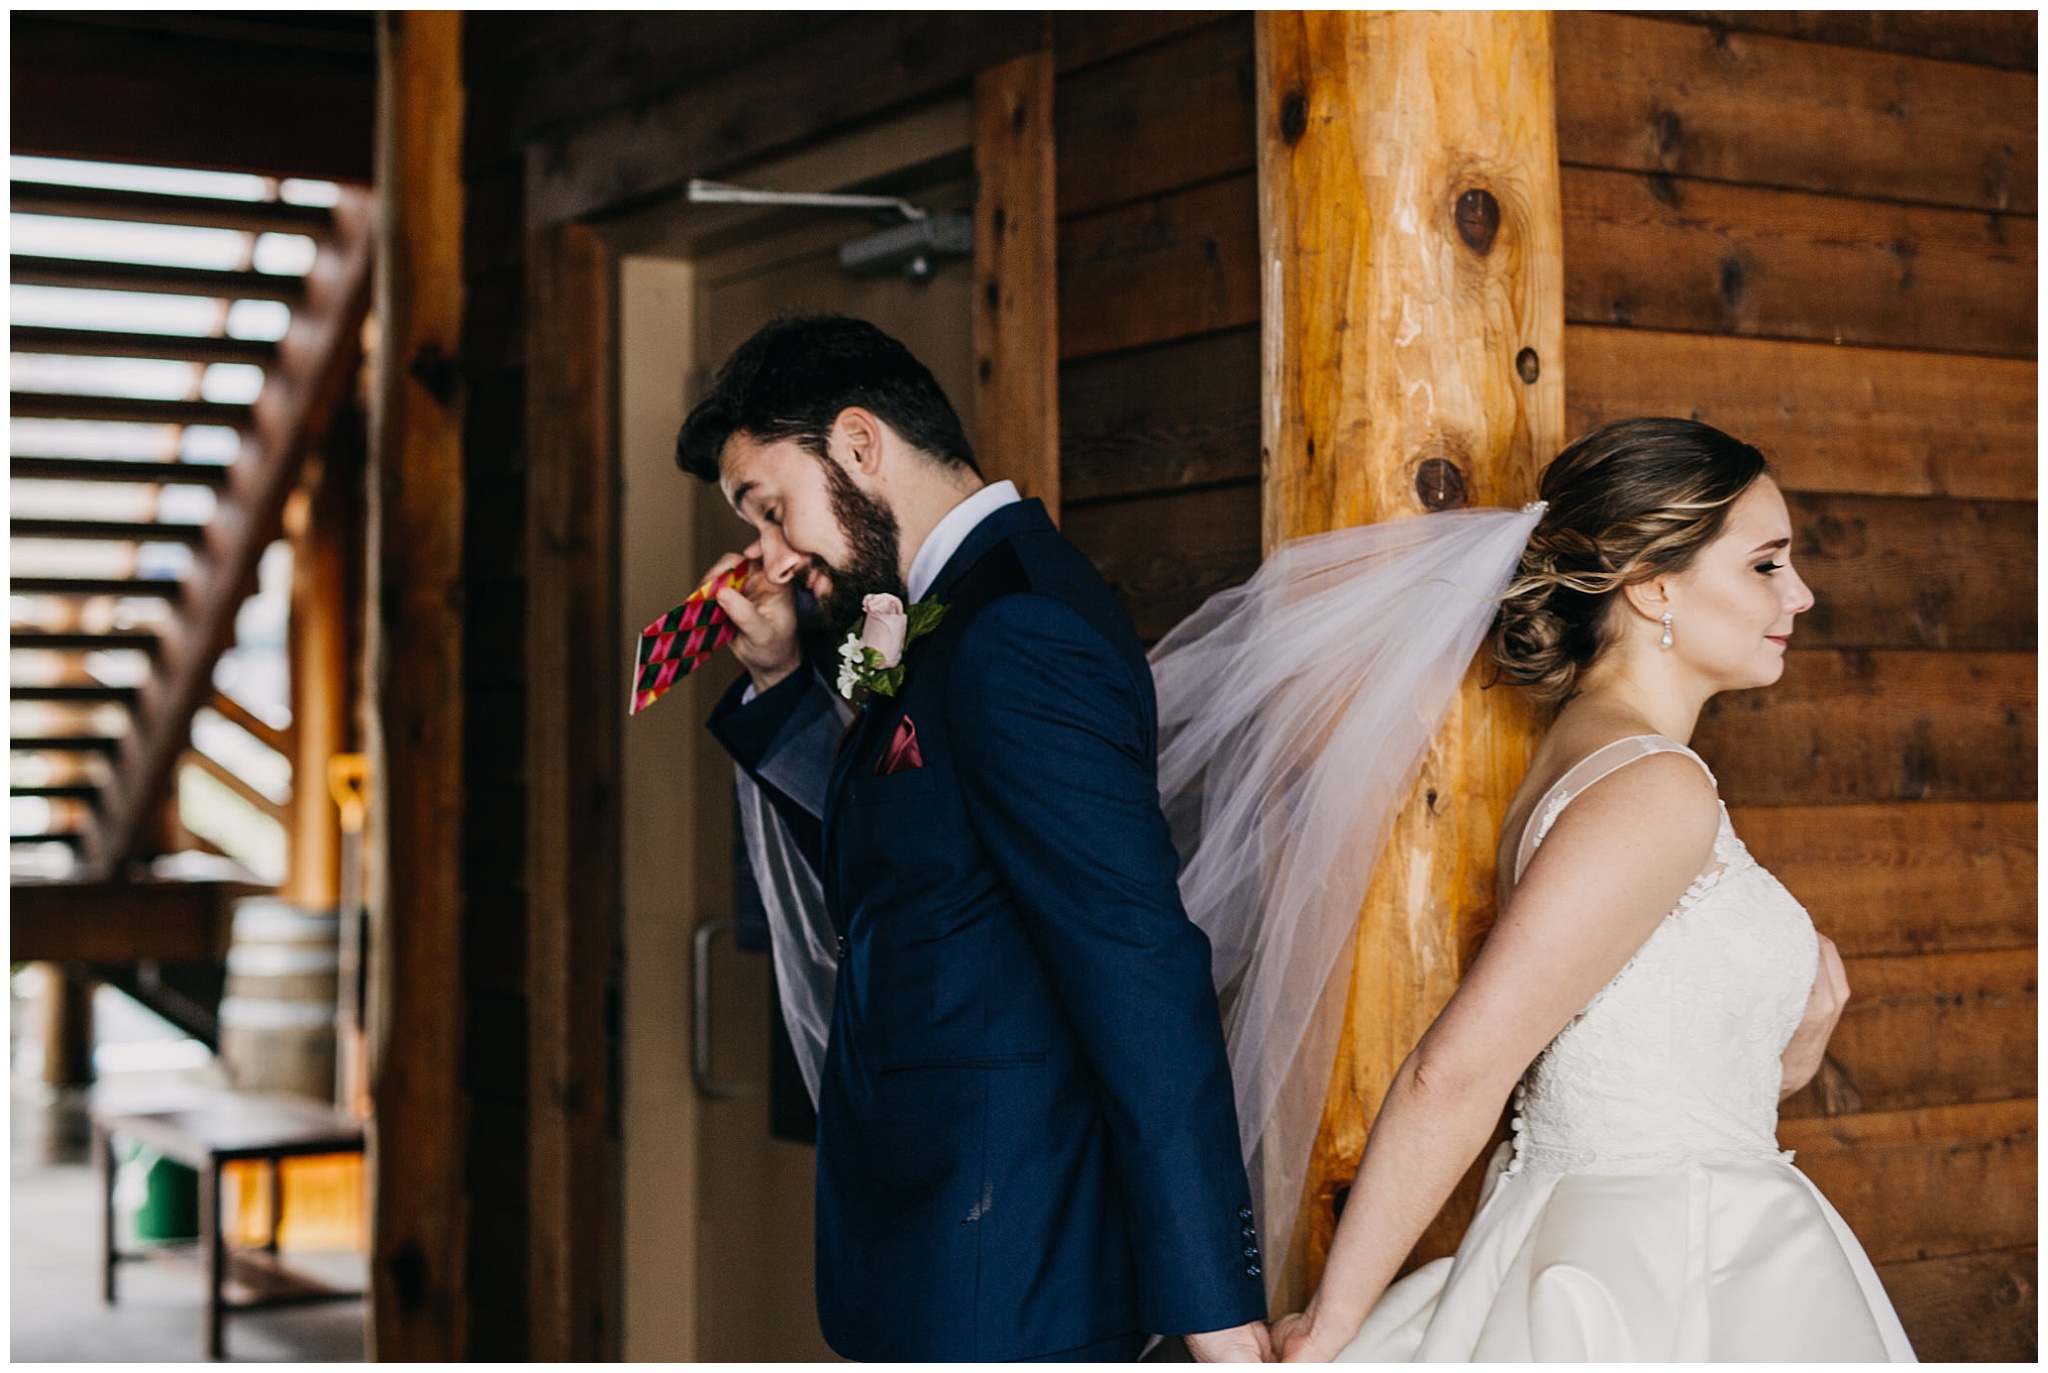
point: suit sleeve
(1057, 762)
(784, 739)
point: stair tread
(25, 468)
(70, 405)
(161, 588)
(85, 642)
(92, 275)
(130, 531)
(154, 207)
(110, 343)
(65, 743)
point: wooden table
(206, 1133)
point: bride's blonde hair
(1629, 501)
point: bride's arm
(1612, 868)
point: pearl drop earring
(1666, 640)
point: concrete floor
(56, 1315)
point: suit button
(1244, 1214)
(1251, 1253)
(845, 947)
(1252, 1270)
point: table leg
(103, 1164)
(214, 1241)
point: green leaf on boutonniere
(923, 618)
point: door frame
(576, 676)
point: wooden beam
(238, 714)
(121, 922)
(1989, 38)
(318, 357)
(573, 826)
(1408, 188)
(1648, 96)
(234, 782)
(1876, 421)
(319, 525)
(1016, 328)
(879, 61)
(418, 1306)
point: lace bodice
(1676, 1059)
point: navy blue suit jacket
(1027, 1139)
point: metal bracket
(911, 248)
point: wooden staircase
(126, 661)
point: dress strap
(1600, 763)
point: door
(717, 1224)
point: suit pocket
(894, 786)
(969, 1061)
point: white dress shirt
(952, 531)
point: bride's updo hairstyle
(1630, 501)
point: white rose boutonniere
(871, 659)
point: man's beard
(872, 547)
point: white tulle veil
(1294, 711)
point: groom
(1027, 1145)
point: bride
(1648, 994)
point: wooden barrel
(277, 1009)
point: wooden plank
(108, 531)
(236, 783)
(159, 588)
(1410, 245)
(1659, 252)
(1084, 37)
(1016, 330)
(414, 722)
(1647, 96)
(1932, 1030)
(1186, 263)
(1924, 877)
(1166, 554)
(1907, 572)
(121, 922)
(109, 343)
(77, 695)
(1881, 726)
(237, 713)
(877, 61)
(1943, 1181)
(86, 275)
(65, 743)
(152, 207)
(1167, 117)
(1875, 420)
(1989, 38)
(1176, 415)
(142, 640)
(1974, 1308)
(573, 829)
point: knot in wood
(1440, 485)
(1293, 117)
(435, 371)
(1477, 216)
(1528, 366)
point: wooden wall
(1159, 304)
(1818, 232)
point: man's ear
(858, 435)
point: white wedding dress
(1643, 1209)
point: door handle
(708, 1085)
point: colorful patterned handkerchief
(672, 647)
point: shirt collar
(949, 533)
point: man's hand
(1802, 1057)
(1239, 1344)
(763, 615)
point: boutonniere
(872, 656)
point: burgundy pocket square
(903, 754)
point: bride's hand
(1294, 1341)
(1802, 1057)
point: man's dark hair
(794, 376)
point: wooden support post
(1413, 325)
(67, 1025)
(318, 522)
(576, 693)
(417, 1302)
(1016, 310)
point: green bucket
(170, 1197)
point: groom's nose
(781, 562)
